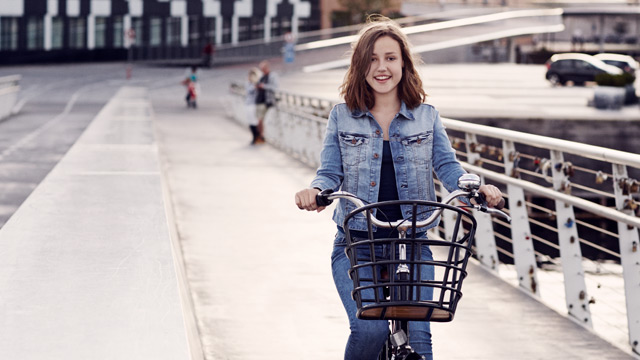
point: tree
(358, 10)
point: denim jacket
(351, 157)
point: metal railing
(573, 242)
(9, 88)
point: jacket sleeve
(445, 164)
(273, 83)
(330, 174)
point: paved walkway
(259, 271)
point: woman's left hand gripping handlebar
(492, 195)
(306, 200)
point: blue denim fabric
(368, 336)
(419, 146)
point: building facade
(85, 30)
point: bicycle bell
(468, 182)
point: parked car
(624, 62)
(576, 67)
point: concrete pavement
(259, 272)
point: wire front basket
(426, 286)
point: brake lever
(482, 206)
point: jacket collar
(404, 111)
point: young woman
(382, 144)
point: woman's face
(385, 71)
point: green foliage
(623, 80)
(358, 10)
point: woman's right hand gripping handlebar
(306, 200)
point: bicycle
(393, 288)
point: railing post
(448, 218)
(570, 254)
(629, 252)
(485, 238)
(523, 252)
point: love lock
(567, 168)
(626, 185)
(500, 155)
(601, 177)
(514, 155)
(566, 186)
(545, 164)
(630, 204)
(536, 163)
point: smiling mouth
(382, 77)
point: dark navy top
(388, 191)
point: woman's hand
(492, 194)
(306, 200)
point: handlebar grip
(500, 205)
(322, 199)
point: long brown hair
(356, 91)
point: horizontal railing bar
(504, 252)
(543, 225)
(552, 194)
(545, 241)
(598, 247)
(589, 151)
(599, 229)
(541, 208)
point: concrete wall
(87, 263)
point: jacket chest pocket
(353, 148)
(419, 146)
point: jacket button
(353, 141)
(419, 141)
(373, 183)
(375, 156)
(377, 132)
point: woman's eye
(391, 58)
(373, 59)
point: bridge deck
(259, 268)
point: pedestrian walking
(207, 53)
(382, 144)
(265, 96)
(250, 103)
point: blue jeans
(368, 336)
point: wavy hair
(356, 91)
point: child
(191, 84)
(383, 143)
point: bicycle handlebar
(326, 197)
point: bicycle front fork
(402, 349)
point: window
(118, 32)
(35, 33)
(100, 32)
(57, 32)
(155, 31)
(173, 31)
(244, 29)
(77, 33)
(194, 31)
(136, 24)
(8, 33)
(226, 30)
(210, 26)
